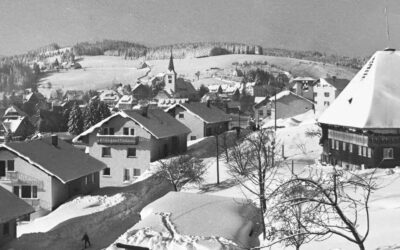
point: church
(361, 129)
(178, 87)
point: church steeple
(171, 63)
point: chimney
(208, 103)
(54, 140)
(334, 78)
(144, 110)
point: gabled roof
(156, 122)
(286, 93)
(14, 109)
(12, 207)
(207, 113)
(338, 83)
(64, 161)
(371, 100)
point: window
(131, 152)
(92, 178)
(2, 168)
(260, 112)
(169, 81)
(326, 103)
(326, 94)
(337, 145)
(86, 180)
(126, 131)
(344, 146)
(16, 190)
(6, 228)
(388, 153)
(132, 131)
(28, 192)
(10, 165)
(111, 131)
(192, 137)
(369, 153)
(364, 151)
(181, 115)
(332, 144)
(136, 172)
(351, 148)
(105, 131)
(106, 152)
(107, 172)
(359, 150)
(315, 94)
(126, 174)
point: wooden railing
(364, 140)
(117, 139)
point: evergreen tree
(75, 121)
(203, 90)
(95, 112)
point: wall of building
(161, 148)
(12, 232)
(32, 173)
(119, 160)
(215, 128)
(195, 124)
(320, 90)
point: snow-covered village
(199, 125)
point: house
(129, 140)
(46, 172)
(169, 102)
(203, 119)
(126, 102)
(110, 97)
(203, 222)
(303, 86)
(11, 209)
(74, 95)
(288, 104)
(326, 90)
(360, 129)
(17, 123)
(261, 109)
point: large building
(203, 119)
(11, 209)
(362, 126)
(46, 172)
(129, 140)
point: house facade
(203, 119)
(326, 90)
(11, 209)
(129, 140)
(46, 172)
(361, 127)
(303, 86)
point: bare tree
(337, 200)
(182, 170)
(252, 163)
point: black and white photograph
(199, 124)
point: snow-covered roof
(156, 122)
(287, 93)
(371, 99)
(12, 124)
(206, 113)
(300, 78)
(202, 217)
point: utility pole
(216, 138)
(275, 110)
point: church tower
(170, 76)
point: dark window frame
(130, 152)
(105, 154)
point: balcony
(117, 139)
(383, 140)
(18, 178)
(364, 140)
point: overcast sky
(349, 27)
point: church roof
(371, 99)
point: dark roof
(12, 207)
(63, 161)
(158, 123)
(338, 83)
(208, 113)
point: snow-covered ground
(104, 215)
